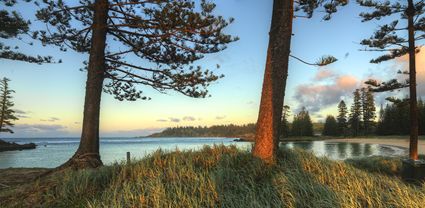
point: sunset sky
(49, 98)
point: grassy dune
(224, 177)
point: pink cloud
(316, 96)
(324, 74)
(402, 63)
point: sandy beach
(401, 142)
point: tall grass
(221, 177)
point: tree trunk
(87, 155)
(274, 83)
(3, 106)
(413, 147)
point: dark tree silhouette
(276, 70)
(302, 125)
(331, 127)
(7, 116)
(153, 43)
(356, 113)
(342, 118)
(368, 110)
(391, 38)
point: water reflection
(343, 150)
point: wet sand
(400, 142)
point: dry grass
(220, 177)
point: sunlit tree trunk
(413, 148)
(274, 83)
(87, 155)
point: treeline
(301, 124)
(230, 130)
(394, 118)
(359, 121)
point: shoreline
(398, 142)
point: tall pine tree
(356, 114)
(368, 110)
(398, 39)
(150, 43)
(276, 69)
(7, 114)
(342, 118)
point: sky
(49, 98)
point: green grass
(222, 177)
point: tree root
(77, 162)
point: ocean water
(52, 152)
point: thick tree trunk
(413, 147)
(87, 155)
(276, 72)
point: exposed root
(78, 162)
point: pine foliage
(7, 114)
(158, 42)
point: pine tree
(380, 128)
(302, 125)
(7, 116)
(356, 113)
(368, 109)
(276, 69)
(130, 43)
(391, 38)
(14, 26)
(342, 118)
(285, 123)
(331, 127)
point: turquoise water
(52, 152)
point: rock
(10, 146)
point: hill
(246, 131)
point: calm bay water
(52, 152)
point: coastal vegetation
(157, 44)
(223, 176)
(247, 130)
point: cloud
(189, 118)
(324, 74)
(40, 127)
(402, 63)
(317, 95)
(220, 117)
(51, 119)
(175, 120)
(40, 130)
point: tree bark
(87, 155)
(413, 147)
(274, 83)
